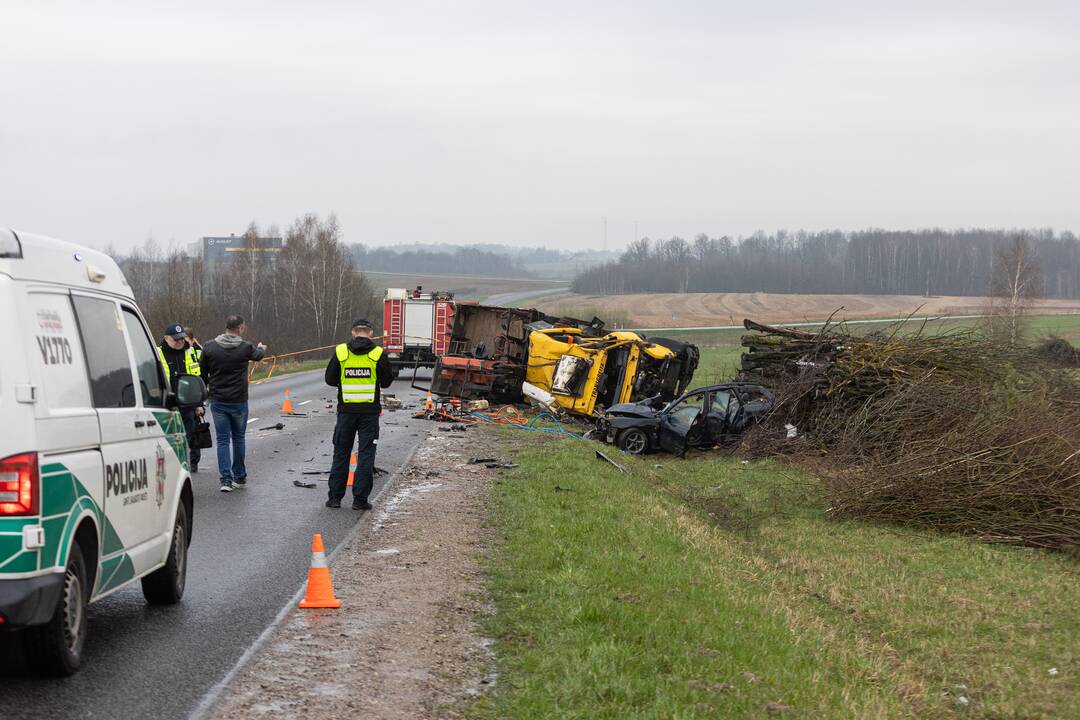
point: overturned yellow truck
(584, 374)
(502, 354)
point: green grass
(286, 368)
(645, 596)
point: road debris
(277, 426)
(408, 623)
(301, 483)
(619, 467)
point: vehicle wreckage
(702, 418)
(568, 365)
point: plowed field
(709, 309)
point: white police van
(95, 491)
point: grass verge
(710, 587)
(287, 368)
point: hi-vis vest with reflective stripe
(191, 362)
(358, 381)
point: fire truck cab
(417, 326)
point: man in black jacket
(180, 359)
(224, 365)
(359, 370)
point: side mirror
(190, 391)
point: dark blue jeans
(230, 424)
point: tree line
(920, 262)
(458, 260)
(302, 297)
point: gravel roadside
(405, 642)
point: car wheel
(633, 440)
(165, 586)
(56, 647)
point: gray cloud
(527, 124)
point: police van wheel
(165, 586)
(56, 647)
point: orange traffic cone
(320, 591)
(286, 407)
(352, 469)
(429, 404)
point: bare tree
(1015, 280)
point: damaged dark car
(702, 418)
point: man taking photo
(225, 369)
(358, 369)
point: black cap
(175, 331)
(362, 322)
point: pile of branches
(1059, 352)
(952, 432)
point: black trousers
(190, 421)
(349, 428)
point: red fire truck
(417, 326)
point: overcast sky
(529, 123)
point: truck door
(130, 539)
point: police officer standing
(358, 369)
(179, 358)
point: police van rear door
(131, 537)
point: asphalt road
(249, 554)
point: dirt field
(464, 287)
(708, 309)
(404, 643)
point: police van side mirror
(190, 391)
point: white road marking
(252, 420)
(214, 695)
(303, 403)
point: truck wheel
(633, 440)
(56, 647)
(165, 586)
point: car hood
(632, 410)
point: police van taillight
(19, 485)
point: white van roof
(25, 256)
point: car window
(683, 413)
(151, 385)
(102, 332)
(57, 351)
(721, 401)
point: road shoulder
(405, 642)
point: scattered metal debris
(278, 426)
(301, 483)
(618, 466)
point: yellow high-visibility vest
(358, 379)
(191, 363)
